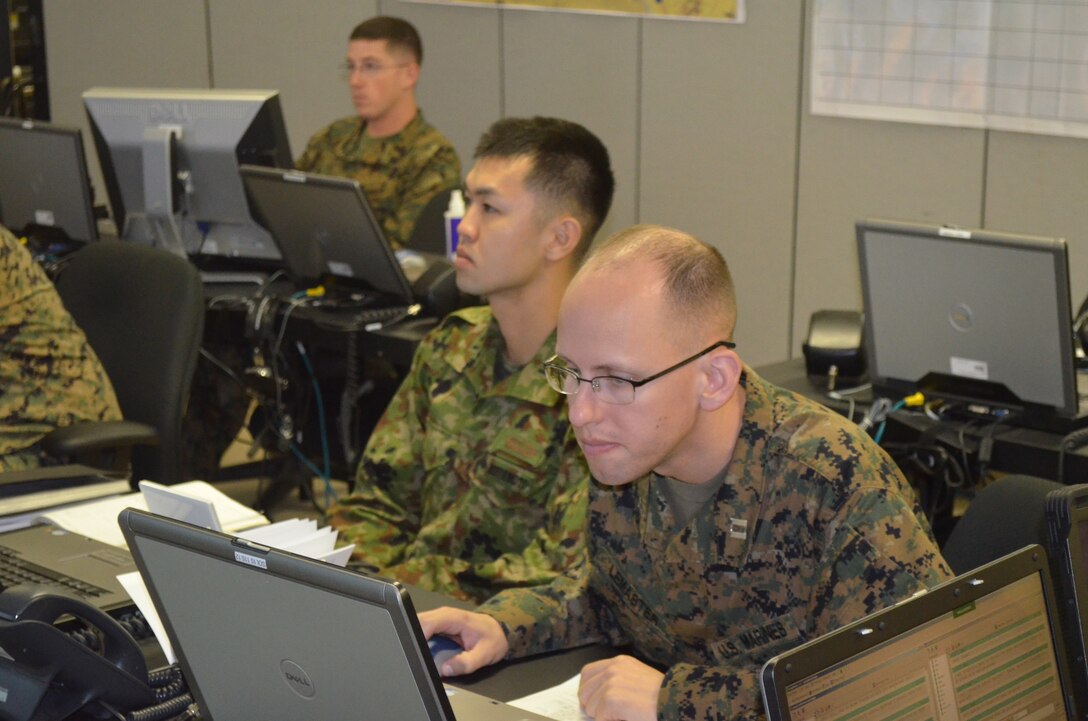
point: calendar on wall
(726, 11)
(1019, 65)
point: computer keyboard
(359, 315)
(232, 277)
(14, 570)
(381, 315)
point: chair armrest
(94, 436)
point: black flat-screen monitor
(44, 185)
(970, 315)
(170, 162)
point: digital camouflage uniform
(814, 527)
(49, 376)
(398, 174)
(469, 485)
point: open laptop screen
(325, 229)
(260, 634)
(985, 645)
(43, 179)
(1067, 532)
(971, 315)
(270, 635)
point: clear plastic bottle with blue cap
(454, 212)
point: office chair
(142, 310)
(429, 233)
(1004, 516)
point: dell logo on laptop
(297, 679)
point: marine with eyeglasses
(729, 519)
(398, 159)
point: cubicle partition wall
(707, 123)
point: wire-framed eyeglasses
(611, 389)
(367, 68)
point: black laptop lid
(1067, 536)
(260, 633)
(984, 645)
(43, 179)
(325, 229)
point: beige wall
(706, 124)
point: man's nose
(583, 407)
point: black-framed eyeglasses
(612, 389)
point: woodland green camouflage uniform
(813, 528)
(398, 174)
(469, 484)
(49, 376)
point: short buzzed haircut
(571, 167)
(697, 281)
(399, 34)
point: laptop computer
(44, 185)
(73, 563)
(984, 645)
(971, 316)
(267, 634)
(326, 231)
(1067, 541)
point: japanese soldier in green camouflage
(472, 481)
(728, 519)
(400, 161)
(49, 376)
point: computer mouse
(442, 649)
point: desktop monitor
(170, 161)
(972, 316)
(44, 185)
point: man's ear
(564, 234)
(721, 373)
(411, 74)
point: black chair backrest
(429, 232)
(1003, 517)
(142, 309)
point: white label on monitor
(250, 560)
(44, 217)
(969, 368)
(341, 269)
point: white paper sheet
(558, 702)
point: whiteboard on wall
(1019, 65)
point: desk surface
(514, 679)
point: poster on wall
(728, 11)
(1019, 66)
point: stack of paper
(25, 494)
(98, 519)
(301, 536)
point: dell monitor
(974, 316)
(170, 162)
(44, 186)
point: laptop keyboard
(14, 570)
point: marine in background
(398, 159)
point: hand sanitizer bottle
(454, 212)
